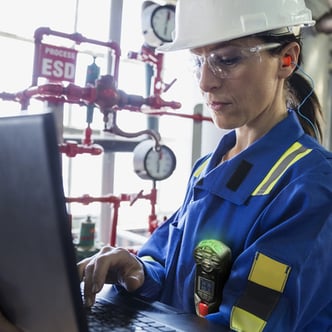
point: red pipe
(114, 224)
(116, 201)
(71, 149)
(102, 96)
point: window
(83, 173)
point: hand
(110, 265)
(6, 326)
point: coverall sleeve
(291, 289)
(153, 253)
(153, 256)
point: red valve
(71, 149)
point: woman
(265, 192)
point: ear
(288, 59)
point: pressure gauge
(157, 23)
(151, 163)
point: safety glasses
(226, 62)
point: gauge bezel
(143, 169)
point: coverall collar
(249, 167)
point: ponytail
(300, 94)
(304, 100)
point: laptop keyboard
(110, 317)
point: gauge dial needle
(168, 17)
(158, 163)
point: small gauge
(158, 23)
(153, 164)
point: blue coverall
(272, 205)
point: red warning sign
(57, 63)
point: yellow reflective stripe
(242, 320)
(269, 273)
(200, 168)
(292, 155)
(266, 282)
(148, 259)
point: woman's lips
(217, 106)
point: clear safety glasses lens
(227, 61)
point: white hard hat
(202, 22)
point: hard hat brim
(190, 43)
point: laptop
(39, 285)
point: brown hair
(300, 91)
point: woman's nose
(207, 80)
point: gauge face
(163, 22)
(160, 164)
(153, 164)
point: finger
(81, 266)
(106, 267)
(133, 274)
(112, 265)
(89, 295)
(88, 272)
